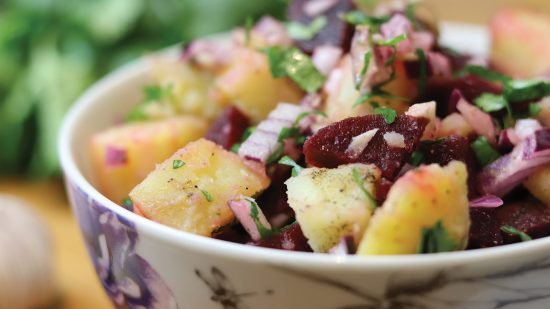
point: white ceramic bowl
(143, 264)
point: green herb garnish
(177, 164)
(360, 181)
(128, 203)
(274, 157)
(296, 168)
(388, 114)
(376, 92)
(255, 215)
(417, 157)
(366, 60)
(300, 31)
(489, 102)
(485, 153)
(207, 195)
(435, 239)
(303, 115)
(291, 62)
(534, 110)
(423, 78)
(512, 230)
(359, 18)
(524, 90)
(484, 72)
(392, 42)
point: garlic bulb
(26, 274)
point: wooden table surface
(76, 280)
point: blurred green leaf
(51, 50)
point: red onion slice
(115, 156)
(501, 176)
(396, 26)
(480, 121)
(264, 141)
(242, 208)
(487, 201)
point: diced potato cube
(418, 200)
(190, 91)
(248, 83)
(190, 190)
(330, 204)
(122, 156)
(538, 184)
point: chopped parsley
(177, 164)
(359, 180)
(151, 94)
(512, 230)
(489, 102)
(485, 153)
(207, 195)
(377, 92)
(156, 92)
(292, 132)
(291, 62)
(435, 239)
(388, 114)
(296, 168)
(524, 90)
(128, 203)
(274, 157)
(484, 73)
(255, 215)
(423, 78)
(417, 158)
(534, 110)
(392, 42)
(359, 18)
(366, 60)
(246, 134)
(300, 31)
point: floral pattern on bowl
(111, 241)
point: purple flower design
(111, 240)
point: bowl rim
(248, 253)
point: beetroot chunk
(484, 229)
(445, 150)
(289, 238)
(527, 215)
(228, 128)
(336, 32)
(327, 148)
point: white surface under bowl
(143, 264)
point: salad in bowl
(349, 136)
(340, 131)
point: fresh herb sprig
(512, 230)
(296, 168)
(360, 181)
(435, 239)
(291, 62)
(299, 31)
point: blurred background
(51, 50)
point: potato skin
(329, 203)
(418, 200)
(194, 197)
